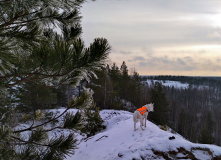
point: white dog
(141, 114)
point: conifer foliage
(117, 89)
(93, 122)
(161, 110)
(31, 51)
(205, 136)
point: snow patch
(200, 154)
(119, 141)
(175, 84)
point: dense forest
(193, 112)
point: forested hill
(197, 105)
(196, 80)
(193, 111)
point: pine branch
(21, 14)
(91, 59)
(63, 144)
(38, 135)
(51, 129)
(80, 101)
(40, 125)
(29, 142)
(44, 58)
(32, 20)
(72, 121)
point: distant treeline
(186, 79)
(195, 111)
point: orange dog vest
(142, 110)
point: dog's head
(150, 107)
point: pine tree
(105, 90)
(182, 122)
(31, 51)
(102, 88)
(205, 136)
(114, 73)
(161, 110)
(135, 88)
(33, 96)
(124, 81)
(62, 98)
(209, 121)
(93, 122)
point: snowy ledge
(120, 142)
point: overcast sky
(158, 37)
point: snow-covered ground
(119, 141)
(175, 84)
(167, 83)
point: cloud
(167, 63)
(137, 58)
(153, 22)
(159, 35)
(215, 33)
(126, 52)
(218, 60)
(181, 61)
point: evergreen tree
(124, 70)
(114, 87)
(114, 73)
(104, 94)
(32, 96)
(209, 121)
(93, 121)
(135, 89)
(182, 122)
(161, 110)
(62, 99)
(102, 88)
(124, 81)
(206, 136)
(30, 51)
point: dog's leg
(141, 123)
(134, 126)
(145, 121)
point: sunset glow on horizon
(158, 37)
